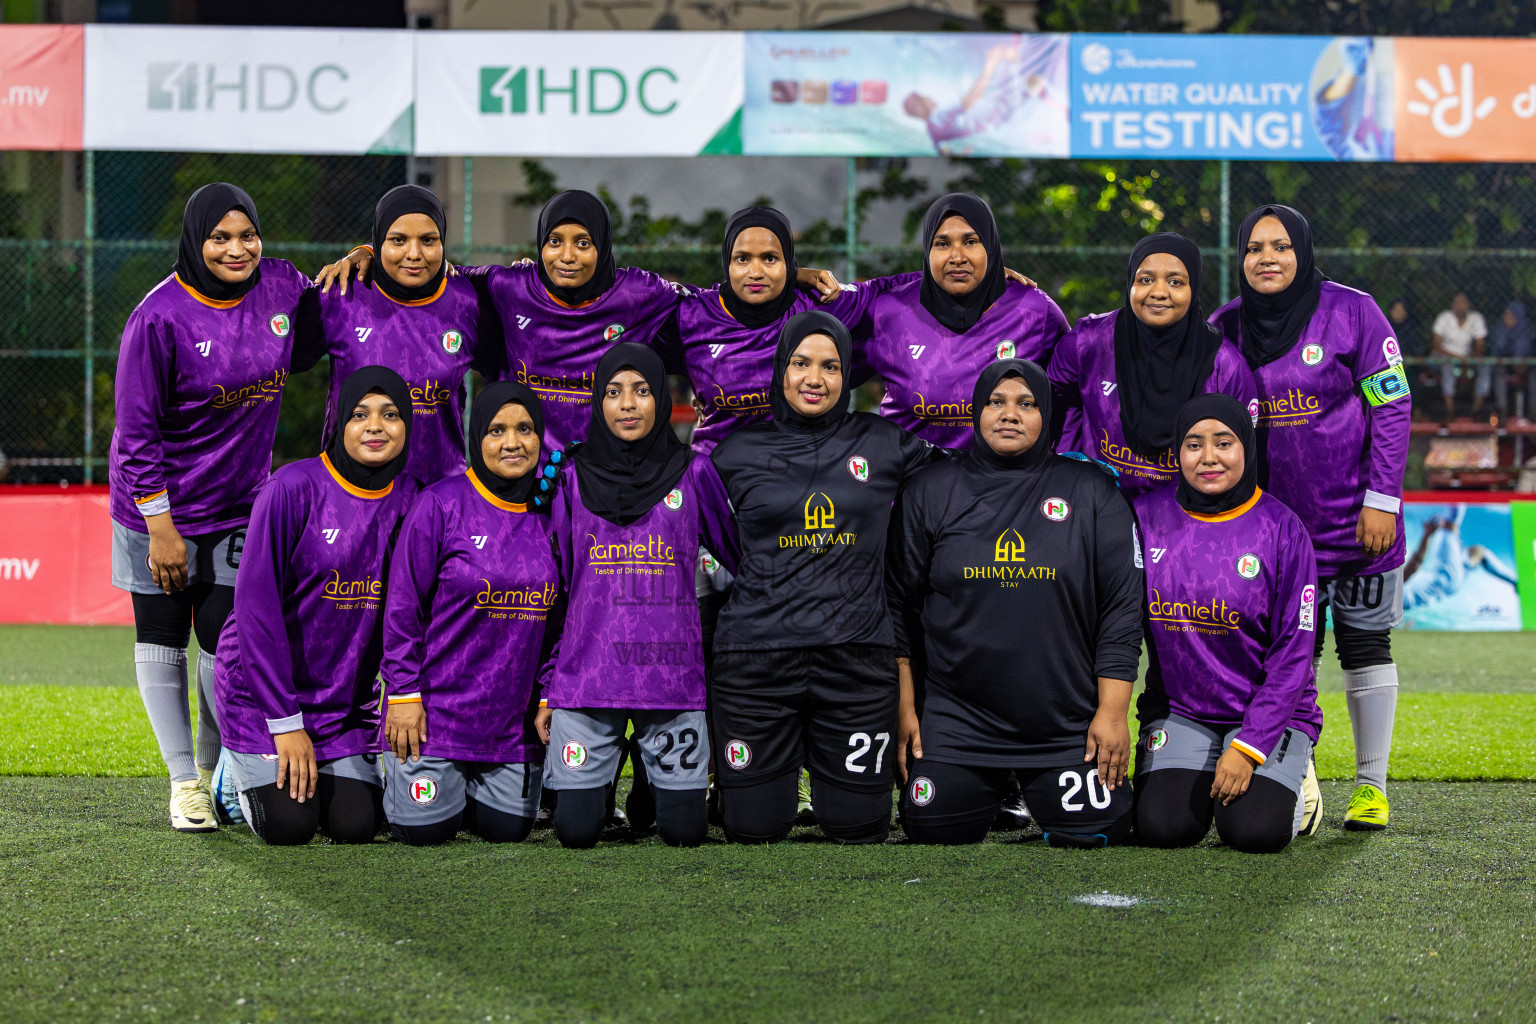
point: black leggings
(168, 620)
(486, 822)
(765, 812)
(347, 809)
(1174, 808)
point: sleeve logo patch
(1055, 509)
(1387, 386)
(452, 342)
(1006, 350)
(858, 468)
(423, 791)
(1249, 566)
(709, 564)
(1136, 546)
(1253, 410)
(574, 755)
(1393, 354)
(1308, 607)
(612, 332)
(1312, 354)
(738, 755)
(923, 791)
(674, 499)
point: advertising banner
(1232, 97)
(40, 79)
(1466, 99)
(56, 560)
(249, 90)
(1522, 515)
(1461, 569)
(614, 94)
(889, 94)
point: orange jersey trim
(149, 498)
(505, 506)
(1258, 492)
(205, 300)
(355, 491)
(567, 305)
(442, 287)
(1250, 751)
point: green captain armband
(1387, 386)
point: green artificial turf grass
(110, 915)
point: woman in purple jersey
(297, 691)
(1229, 714)
(199, 381)
(471, 589)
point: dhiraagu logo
(574, 90)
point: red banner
(56, 559)
(42, 82)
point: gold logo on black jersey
(1010, 547)
(819, 514)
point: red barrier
(56, 558)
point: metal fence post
(88, 338)
(1225, 278)
(851, 220)
(469, 241)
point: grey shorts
(1372, 603)
(254, 770)
(585, 744)
(1177, 742)
(211, 558)
(435, 788)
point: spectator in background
(1512, 340)
(1461, 333)
(1410, 342)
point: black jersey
(813, 511)
(1024, 588)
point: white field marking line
(1107, 899)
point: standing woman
(1015, 572)
(412, 317)
(930, 334)
(1332, 394)
(471, 588)
(1229, 715)
(628, 526)
(1129, 371)
(805, 666)
(297, 690)
(200, 379)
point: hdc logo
(508, 90)
(176, 85)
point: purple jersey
(470, 587)
(632, 637)
(1083, 372)
(198, 387)
(731, 366)
(431, 342)
(930, 371)
(1231, 614)
(553, 348)
(1334, 415)
(301, 650)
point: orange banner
(1466, 99)
(56, 560)
(42, 81)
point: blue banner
(1232, 97)
(1461, 571)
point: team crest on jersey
(452, 342)
(1055, 509)
(1157, 739)
(1248, 566)
(1393, 354)
(1308, 607)
(923, 791)
(280, 325)
(574, 755)
(858, 468)
(738, 755)
(1006, 350)
(1312, 354)
(1253, 410)
(423, 791)
(674, 499)
(612, 332)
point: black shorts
(964, 799)
(832, 708)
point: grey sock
(162, 675)
(208, 745)
(1371, 694)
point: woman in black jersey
(805, 667)
(1016, 586)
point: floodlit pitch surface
(109, 915)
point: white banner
(578, 93)
(249, 90)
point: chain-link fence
(87, 235)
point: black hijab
(623, 480)
(584, 208)
(758, 314)
(481, 412)
(364, 380)
(1227, 410)
(205, 209)
(396, 203)
(1039, 453)
(1272, 323)
(959, 313)
(1161, 368)
(785, 417)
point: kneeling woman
(1015, 579)
(296, 667)
(1230, 714)
(471, 587)
(628, 525)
